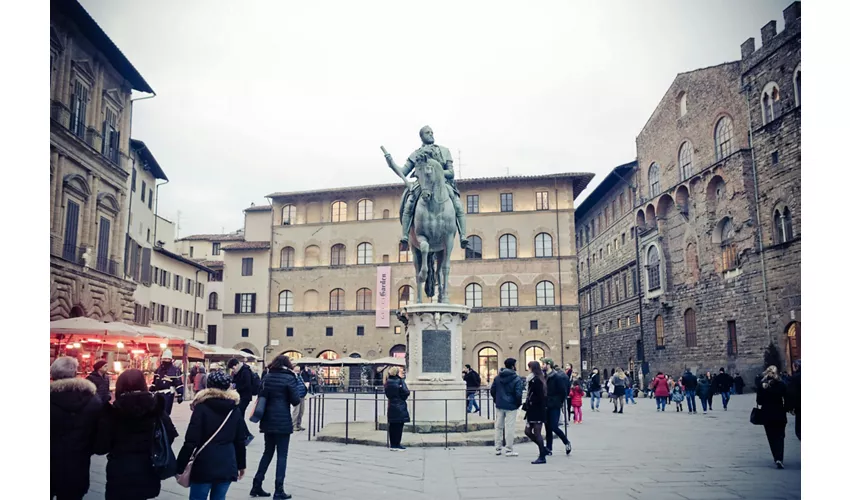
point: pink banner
(382, 305)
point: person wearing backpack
(126, 433)
(217, 431)
(243, 380)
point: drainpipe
(195, 305)
(745, 90)
(560, 289)
(269, 304)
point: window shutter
(253, 302)
(236, 307)
(146, 266)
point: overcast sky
(258, 97)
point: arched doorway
(293, 355)
(330, 374)
(398, 351)
(76, 312)
(792, 344)
(488, 364)
(249, 351)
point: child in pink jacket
(575, 398)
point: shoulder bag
(184, 478)
(756, 416)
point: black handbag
(756, 416)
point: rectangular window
(212, 332)
(189, 286)
(397, 330)
(248, 266)
(150, 199)
(329, 331)
(543, 200)
(103, 246)
(216, 248)
(244, 332)
(622, 204)
(507, 202)
(191, 252)
(133, 181)
(245, 303)
(619, 323)
(174, 312)
(290, 331)
(79, 103)
(607, 222)
(361, 331)
(774, 157)
(144, 190)
(533, 325)
(72, 218)
(596, 330)
(472, 203)
(732, 338)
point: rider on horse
(411, 193)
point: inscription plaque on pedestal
(436, 351)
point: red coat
(575, 396)
(659, 385)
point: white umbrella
(89, 326)
(309, 361)
(346, 361)
(388, 361)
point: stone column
(57, 197)
(118, 231)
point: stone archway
(792, 344)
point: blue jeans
(725, 397)
(281, 443)
(595, 396)
(553, 419)
(691, 396)
(630, 395)
(213, 491)
(472, 403)
(661, 402)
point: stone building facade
(519, 276)
(719, 264)
(90, 85)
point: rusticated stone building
(716, 219)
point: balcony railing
(107, 266)
(60, 114)
(72, 253)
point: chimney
(768, 32)
(791, 13)
(748, 47)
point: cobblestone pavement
(641, 454)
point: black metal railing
(72, 253)
(60, 114)
(107, 266)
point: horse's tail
(431, 278)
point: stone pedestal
(434, 362)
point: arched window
(311, 256)
(727, 246)
(488, 363)
(364, 210)
(364, 299)
(311, 301)
(723, 138)
(690, 328)
(213, 301)
(533, 353)
(364, 253)
(792, 344)
(683, 104)
(659, 331)
(507, 246)
(329, 373)
(770, 103)
(287, 257)
(692, 261)
(287, 215)
(405, 255)
(543, 245)
(293, 355)
(653, 268)
(545, 293)
(654, 181)
(473, 295)
(339, 211)
(338, 255)
(473, 249)
(783, 227)
(337, 302)
(509, 295)
(386, 214)
(686, 154)
(797, 82)
(285, 301)
(404, 296)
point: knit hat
(219, 380)
(99, 365)
(166, 354)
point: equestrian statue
(430, 213)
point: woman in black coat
(74, 412)
(535, 409)
(126, 433)
(222, 461)
(396, 392)
(280, 389)
(772, 397)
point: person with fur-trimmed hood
(74, 411)
(168, 381)
(222, 461)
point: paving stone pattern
(641, 454)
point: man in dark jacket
(74, 413)
(506, 391)
(722, 384)
(795, 394)
(243, 382)
(595, 389)
(473, 382)
(557, 389)
(739, 384)
(168, 381)
(100, 380)
(689, 380)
